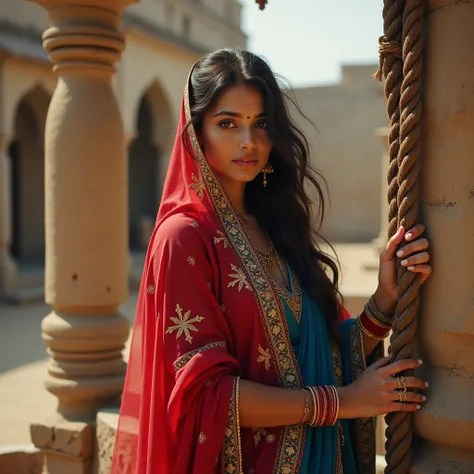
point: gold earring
(268, 169)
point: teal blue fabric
(312, 347)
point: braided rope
(391, 65)
(402, 19)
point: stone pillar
(381, 241)
(8, 267)
(444, 429)
(86, 229)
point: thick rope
(391, 65)
(404, 108)
(402, 343)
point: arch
(27, 168)
(161, 113)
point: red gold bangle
(372, 329)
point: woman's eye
(226, 124)
(261, 124)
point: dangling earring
(268, 169)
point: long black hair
(284, 208)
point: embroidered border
(295, 300)
(231, 448)
(291, 445)
(180, 362)
(365, 427)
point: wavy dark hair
(283, 208)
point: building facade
(163, 39)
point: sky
(306, 41)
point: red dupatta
(207, 315)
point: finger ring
(401, 384)
(402, 396)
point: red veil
(206, 315)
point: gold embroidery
(197, 186)
(151, 289)
(184, 324)
(223, 308)
(185, 358)
(202, 438)
(295, 300)
(264, 356)
(239, 278)
(271, 309)
(260, 433)
(364, 427)
(191, 261)
(194, 223)
(231, 448)
(222, 238)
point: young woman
(243, 359)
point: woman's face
(234, 135)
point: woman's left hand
(414, 256)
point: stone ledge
(20, 459)
(107, 423)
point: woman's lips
(245, 162)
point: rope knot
(385, 48)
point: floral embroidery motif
(184, 324)
(202, 438)
(194, 223)
(222, 238)
(223, 308)
(191, 261)
(185, 358)
(151, 289)
(260, 433)
(264, 356)
(197, 186)
(239, 278)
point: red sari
(207, 315)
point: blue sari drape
(314, 352)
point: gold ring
(402, 396)
(401, 384)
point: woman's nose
(247, 140)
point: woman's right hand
(375, 392)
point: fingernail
(427, 384)
(408, 236)
(404, 262)
(418, 407)
(423, 398)
(411, 268)
(420, 361)
(400, 253)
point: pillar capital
(83, 37)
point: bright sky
(307, 40)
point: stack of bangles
(373, 322)
(324, 401)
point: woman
(242, 360)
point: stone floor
(23, 359)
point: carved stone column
(86, 228)
(8, 267)
(445, 427)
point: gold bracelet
(306, 412)
(383, 318)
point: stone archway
(27, 168)
(147, 164)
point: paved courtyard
(23, 358)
